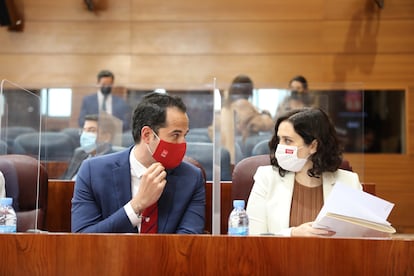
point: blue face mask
(88, 141)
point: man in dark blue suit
(104, 101)
(113, 192)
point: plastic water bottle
(238, 220)
(8, 217)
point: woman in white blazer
(305, 158)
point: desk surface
(112, 254)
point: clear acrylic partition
(216, 139)
(203, 145)
(62, 108)
(255, 109)
(20, 133)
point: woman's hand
(306, 230)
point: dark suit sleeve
(193, 220)
(95, 208)
(89, 106)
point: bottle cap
(238, 203)
(6, 201)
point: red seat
(26, 182)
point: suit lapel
(121, 174)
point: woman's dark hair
(152, 112)
(311, 124)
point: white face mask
(88, 141)
(287, 158)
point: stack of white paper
(354, 213)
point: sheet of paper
(346, 229)
(347, 201)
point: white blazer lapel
(328, 181)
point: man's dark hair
(104, 74)
(152, 112)
(300, 79)
(241, 86)
(92, 117)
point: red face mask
(168, 154)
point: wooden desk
(60, 195)
(55, 169)
(129, 254)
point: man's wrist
(136, 207)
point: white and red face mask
(287, 158)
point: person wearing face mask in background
(104, 101)
(299, 96)
(305, 158)
(114, 192)
(95, 139)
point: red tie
(149, 222)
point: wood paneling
(181, 44)
(242, 10)
(69, 37)
(60, 194)
(212, 38)
(246, 10)
(58, 70)
(109, 254)
(392, 174)
(357, 9)
(69, 10)
(372, 72)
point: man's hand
(151, 186)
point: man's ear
(146, 134)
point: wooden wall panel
(69, 10)
(69, 37)
(160, 38)
(247, 10)
(369, 36)
(59, 70)
(229, 38)
(357, 9)
(269, 10)
(382, 71)
(257, 38)
(391, 174)
(244, 10)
